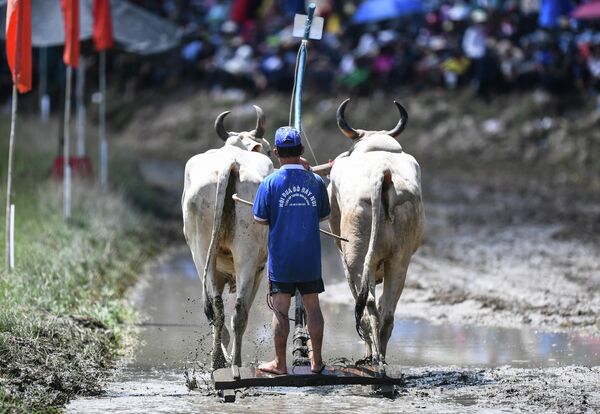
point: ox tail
(211, 257)
(367, 278)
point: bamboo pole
(11, 145)
(325, 232)
(66, 147)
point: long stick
(11, 144)
(66, 147)
(327, 233)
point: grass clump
(63, 318)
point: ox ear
(251, 145)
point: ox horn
(342, 124)
(259, 131)
(220, 128)
(397, 130)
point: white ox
(375, 195)
(227, 247)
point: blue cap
(287, 137)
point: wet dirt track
(500, 314)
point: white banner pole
(66, 146)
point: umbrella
(459, 12)
(134, 29)
(376, 10)
(551, 10)
(588, 11)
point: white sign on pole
(316, 28)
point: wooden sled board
(302, 376)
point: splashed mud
(447, 367)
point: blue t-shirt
(293, 201)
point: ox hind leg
(393, 284)
(214, 285)
(353, 259)
(249, 275)
(215, 312)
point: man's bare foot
(317, 368)
(273, 368)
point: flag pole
(66, 146)
(11, 144)
(102, 121)
(81, 110)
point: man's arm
(261, 208)
(325, 208)
(261, 221)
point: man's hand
(305, 163)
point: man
(292, 201)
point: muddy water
(176, 339)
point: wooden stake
(11, 144)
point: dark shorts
(305, 288)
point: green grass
(63, 316)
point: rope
(310, 147)
(270, 300)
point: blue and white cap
(287, 137)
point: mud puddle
(446, 365)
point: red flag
(70, 9)
(103, 38)
(18, 42)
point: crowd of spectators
(490, 49)
(488, 46)
(491, 46)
